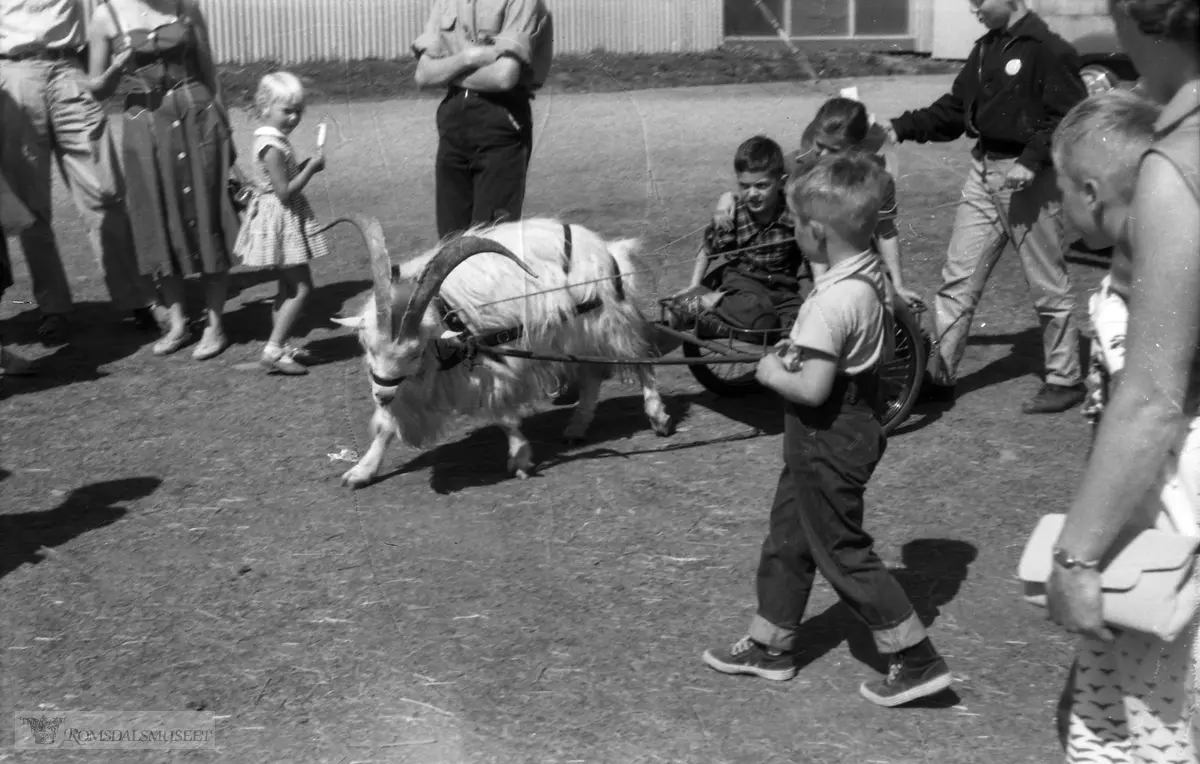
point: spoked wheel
(901, 377)
(729, 380)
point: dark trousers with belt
(484, 142)
(829, 454)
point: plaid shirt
(767, 249)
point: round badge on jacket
(1012, 67)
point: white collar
(270, 132)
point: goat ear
(353, 322)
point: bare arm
(1147, 409)
(810, 386)
(701, 266)
(439, 72)
(277, 171)
(104, 71)
(500, 76)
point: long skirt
(177, 153)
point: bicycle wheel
(729, 380)
(901, 377)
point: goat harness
(466, 345)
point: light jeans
(1034, 218)
(45, 113)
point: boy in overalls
(827, 372)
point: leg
(499, 191)
(214, 341)
(87, 158)
(747, 304)
(588, 383)
(295, 284)
(1158, 697)
(975, 247)
(383, 430)
(177, 335)
(786, 571)
(652, 403)
(454, 187)
(520, 453)
(25, 155)
(1035, 214)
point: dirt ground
(175, 537)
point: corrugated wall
(293, 31)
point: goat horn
(381, 269)
(436, 271)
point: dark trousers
(484, 142)
(758, 302)
(816, 523)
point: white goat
(574, 297)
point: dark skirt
(177, 153)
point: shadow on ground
(85, 509)
(251, 323)
(934, 571)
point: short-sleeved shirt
(522, 29)
(769, 248)
(28, 26)
(873, 146)
(843, 317)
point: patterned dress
(274, 234)
(177, 154)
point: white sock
(273, 351)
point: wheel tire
(735, 386)
(901, 377)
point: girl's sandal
(211, 345)
(301, 355)
(168, 344)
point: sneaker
(749, 657)
(212, 344)
(302, 356)
(1052, 399)
(908, 679)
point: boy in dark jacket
(1017, 84)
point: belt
(43, 54)
(986, 149)
(508, 96)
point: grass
(596, 72)
(173, 537)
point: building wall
(293, 31)
(953, 27)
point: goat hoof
(353, 478)
(522, 475)
(664, 429)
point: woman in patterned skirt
(176, 151)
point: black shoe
(931, 392)
(54, 329)
(1052, 399)
(912, 674)
(749, 657)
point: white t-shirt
(843, 316)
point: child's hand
(789, 354)
(317, 162)
(723, 215)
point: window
(744, 19)
(881, 17)
(820, 18)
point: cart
(726, 365)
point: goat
(574, 297)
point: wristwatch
(1067, 562)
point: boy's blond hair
(843, 192)
(1103, 138)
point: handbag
(1148, 579)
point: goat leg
(656, 410)
(520, 452)
(383, 430)
(589, 381)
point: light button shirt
(843, 318)
(29, 26)
(520, 28)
